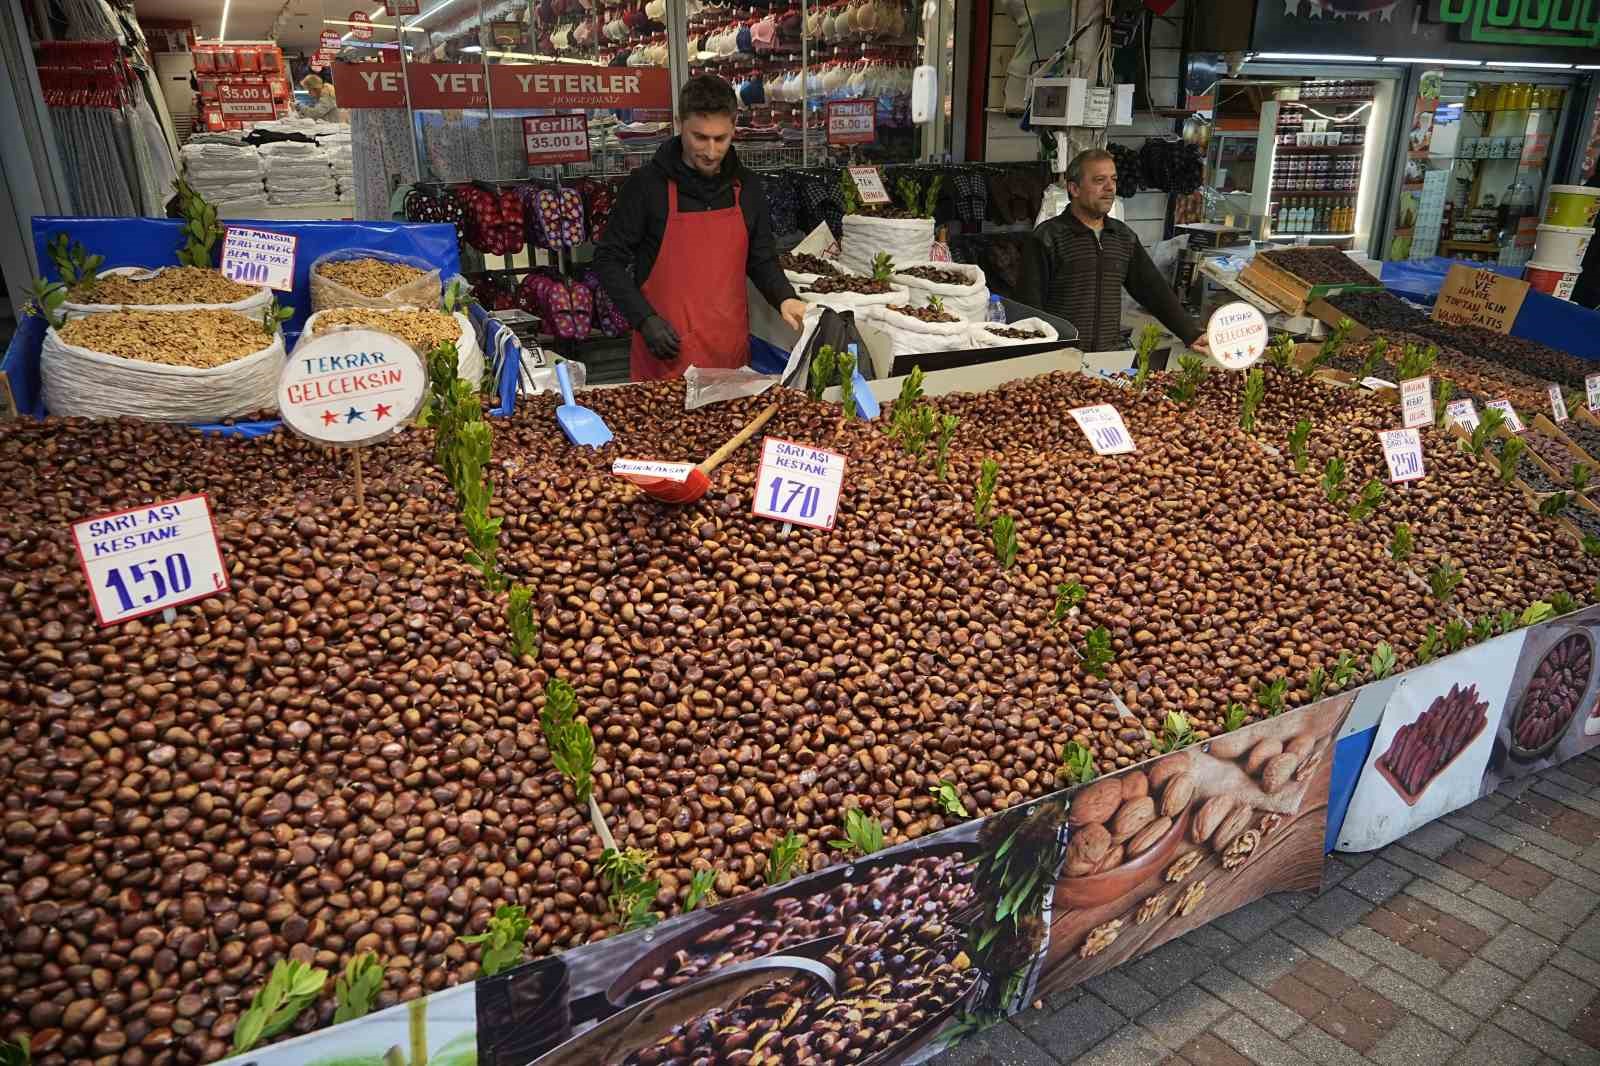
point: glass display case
(1476, 166)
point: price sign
(1104, 428)
(149, 558)
(351, 387)
(550, 139)
(363, 25)
(1558, 404)
(1402, 450)
(1591, 385)
(1513, 423)
(259, 257)
(649, 470)
(1237, 334)
(1416, 402)
(1462, 413)
(246, 99)
(798, 483)
(852, 121)
(869, 183)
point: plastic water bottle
(997, 310)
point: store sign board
(245, 99)
(1402, 450)
(351, 387)
(1531, 23)
(259, 257)
(365, 85)
(149, 558)
(852, 121)
(552, 139)
(798, 483)
(1513, 423)
(363, 26)
(579, 88)
(447, 86)
(1416, 402)
(1237, 334)
(400, 7)
(1471, 297)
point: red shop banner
(461, 85)
(852, 121)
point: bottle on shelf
(997, 310)
(1282, 223)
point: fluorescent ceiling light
(374, 25)
(1318, 56)
(1587, 66)
(474, 48)
(435, 9)
(1532, 66)
(1435, 62)
(222, 33)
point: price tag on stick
(1462, 413)
(1591, 385)
(798, 483)
(869, 183)
(151, 558)
(1402, 450)
(1416, 402)
(1103, 425)
(259, 257)
(1513, 423)
(1237, 334)
(1558, 404)
(650, 470)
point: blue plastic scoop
(581, 425)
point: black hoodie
(638, 223)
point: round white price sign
(1238, 335)
(351, 387)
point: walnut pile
(199, 339)
(423, 330)
(170, 285)
(369, 277)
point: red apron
(697, 285)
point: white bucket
(1562, 245)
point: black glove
(661, 338)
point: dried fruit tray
(1290, 292)
(1410, 797)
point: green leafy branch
(949, 800)
(291, 988)
(1401, 544)
(1005, 541)
(1297, 444)
(503, 943)
(1255, 388)
(1270, 697)
(523, 629)
(785, 854)
(863, 833)
(200, 229)
(357, 988)
(1077, 764)
(1176, 732)
(1096, 654)
(632, 892)
(983, 499)
(1068, 597)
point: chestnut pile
(800, 263)
(339, 754)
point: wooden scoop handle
(716, 458)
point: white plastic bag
(251, 305)
(85, 383)
(704, 386)
(1054, 202)
(912, 336)
(969, 302)
(982, 337)
(419, 292)
(906, 240)
(469, 364)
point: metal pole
(405, 82)
(805, 99)
(677, 47)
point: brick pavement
(1475, 940)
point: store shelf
(1319, 101)
(1473, 246)
(1321, 147)
(1315, 192)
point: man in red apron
(687, 229)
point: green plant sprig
(1176, 732)
(1401, 544)
(1511, 450)
(983, 498)
(1330, 347)
(1281, 353)
(1068, 597)
(1077, 764)
(273, 317)
(1149, 337)
(1005, 541)
(1375, 354)
(201, 230)
(1233, 718)
(502, 944)
(1097, 654)
(1367, 502)
(1488, 427)
(1443, 580)
(357, 988)
(1333, 474)
(1383, 661)
(632, 893)
(291, 988)
(1297, 444)
(863, 833)
(1255, 388)
(824, 372)
(1270, 697)
(700, 893)
(1443, 391)
(1186, 385)
(1316, 684)
(1456, 633)
(786, 852)
(568, 739)
(847, 385)
(1428, 649)
(76, 267)
(523, 630)
(949, 800)
(947, 432)
(46, 300)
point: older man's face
(1096, 194)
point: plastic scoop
(581, 425)
(694, 486)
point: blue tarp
(154, 242)
(1558, 323)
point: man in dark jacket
(1077, 264)
(687, 229)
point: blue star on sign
(355, 415)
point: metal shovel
(581, 425)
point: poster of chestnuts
(1552, 713)
(1433, 742)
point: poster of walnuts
(1165, 847)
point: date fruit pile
(1551, 697)
(1422, 748)
(340, 753)
(1319, 266)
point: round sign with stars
(1238, 335)
(351, 387)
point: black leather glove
(661, 338)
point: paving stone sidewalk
(1475, 940)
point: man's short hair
(706, 94)
(1083, 159)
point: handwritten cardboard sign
(351, 387)
(1479, 298)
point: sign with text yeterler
(1479, 298)
(149, 558)
(351, 387)
(551, 139)
(798, 483)
(259, 257)
(852, 121)
(514, 85)
(1237, 334)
